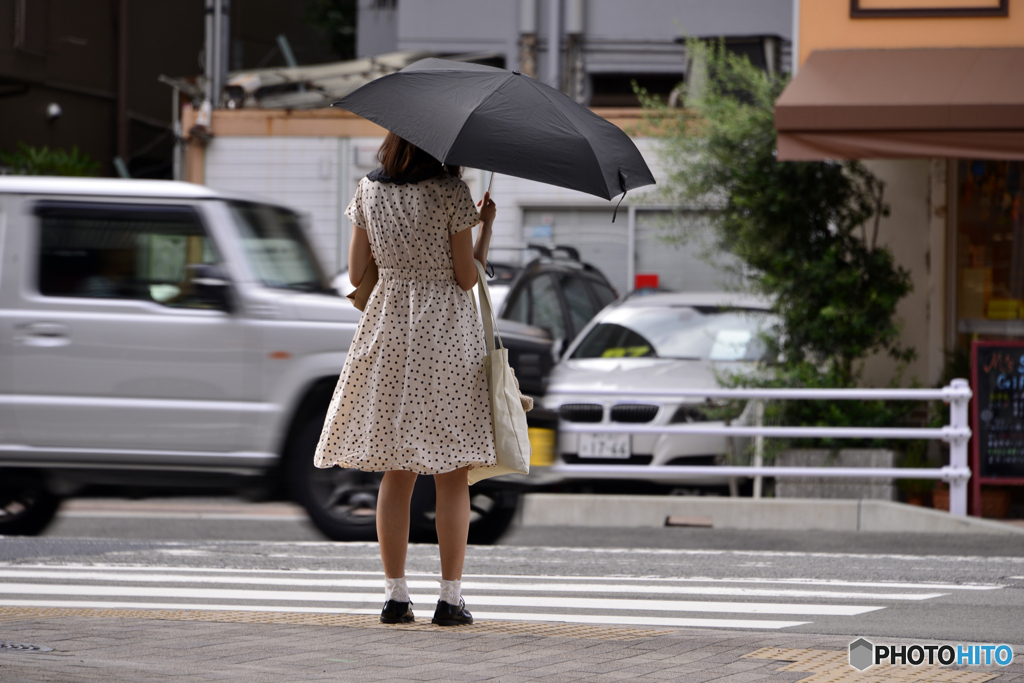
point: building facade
(931, 96)
(589, 49)
(313, 160)
(86, 73)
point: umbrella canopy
(501, 121)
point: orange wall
(826, 25)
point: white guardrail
(957, 434)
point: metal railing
(957, 434)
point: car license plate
(593, 445)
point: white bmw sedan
(654, 342)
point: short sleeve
(354, 212)
(462, 213)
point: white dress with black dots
(412, 394)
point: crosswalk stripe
(629, 589)
(491, 600)
(496, 616)
(612, 600)
(540, 577)
(198, 516)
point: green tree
(805, 232)
(26, 160)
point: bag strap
(487, 310)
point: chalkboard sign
(997, 380)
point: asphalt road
(234, 520)
(937, 588)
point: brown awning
(870, 104)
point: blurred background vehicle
(652, 342)
(163, 337)
(556, 292)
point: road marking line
(95, 572)
(206, 516)
(492, 600)
(505, 616)
(378, 575)
(493, 551)
(615, 589)
(496, 551)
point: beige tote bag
(511, 435)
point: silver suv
(159, 335)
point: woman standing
(412, 396)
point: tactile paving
(827, 666)
(545, 629)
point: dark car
(556, 292)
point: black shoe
(395, 612)
(447, 614)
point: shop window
(990, 246)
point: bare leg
(452, 521)
(393, 520)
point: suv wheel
(26, 508)
(342, 503)
(491, 512)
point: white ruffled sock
(451, 591)
(396, 589)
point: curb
(550, 509)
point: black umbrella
(501, 121)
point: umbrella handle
(490, 183)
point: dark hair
(401, 158)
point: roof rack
(558, 251)
(571, 252)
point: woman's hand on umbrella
(487, 209)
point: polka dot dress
(412, 394)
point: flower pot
(995, 503)
(920, 498)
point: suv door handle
(44, 334)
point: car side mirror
(212, 286)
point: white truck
(160, 336)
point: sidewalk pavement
(112, 646)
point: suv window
(536, 303)
(581, 307)
(547, 310)
(122, 251)
(518, 307)
(276, 247)
(605, 294)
